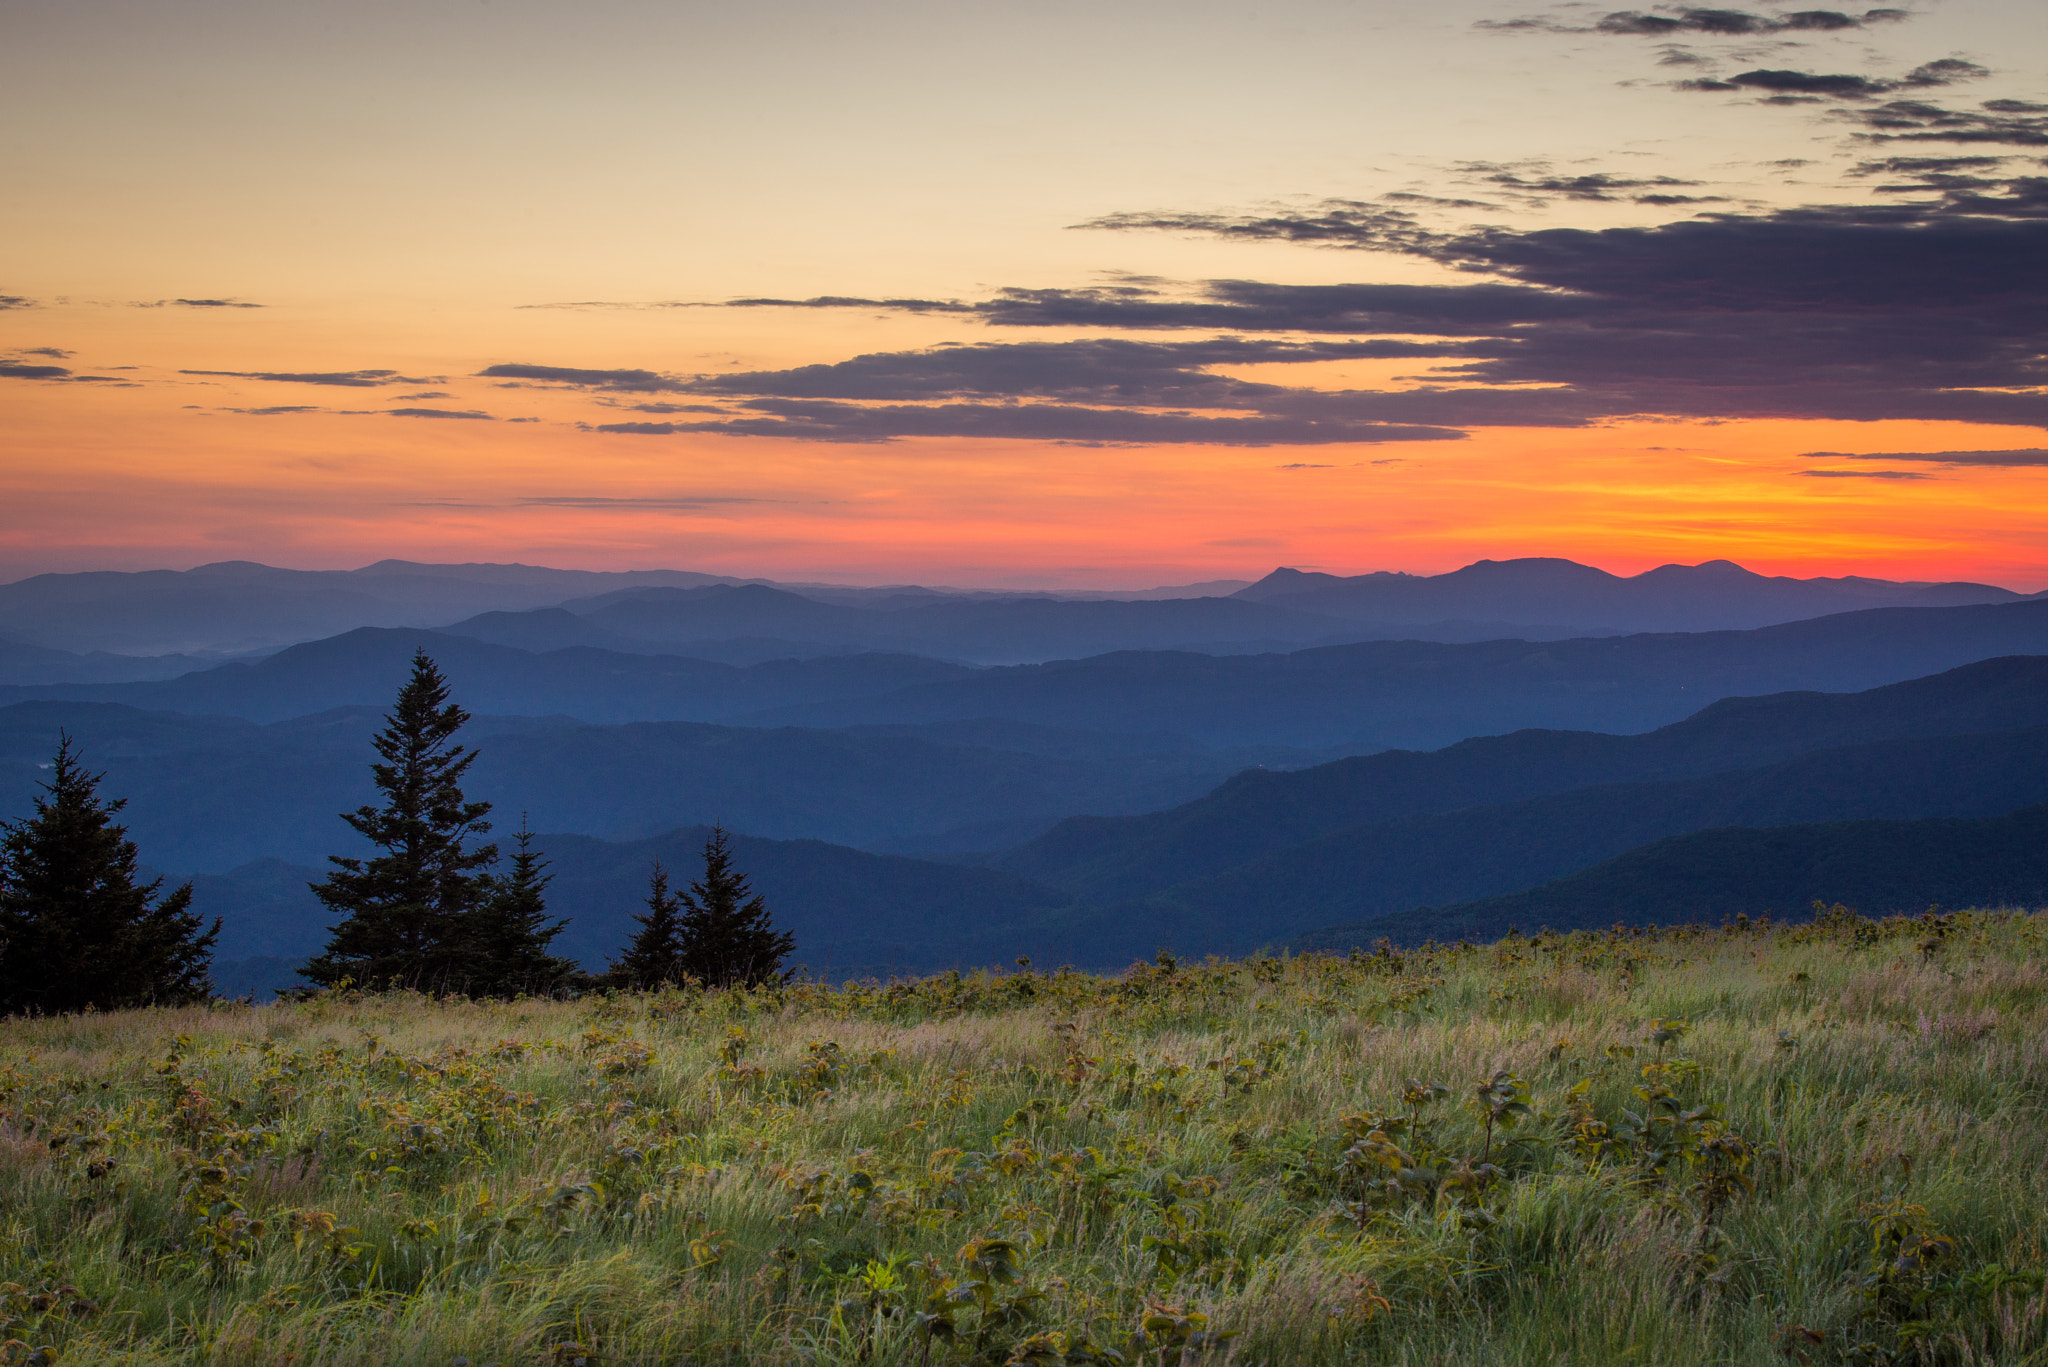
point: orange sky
(394, 214)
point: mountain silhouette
(1874, 867)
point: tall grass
(1818, 1144)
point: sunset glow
(315, 287)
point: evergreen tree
(655, 955)
(406, 912)
(508, 936)
(76, 929)
(728, 938)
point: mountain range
(243, 609)
(1717, 595)
(926, 778)
(1270, 856)
(1260, 814)
(1412, 694)
(1388, 868)
(208, 793)
(1416, 694)
(1875, 867)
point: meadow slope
(1752, 1145)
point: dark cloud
(275, 410)
(2028, 456)
(1540, 182)
(1110, 390)
(342, 379)
(437, 413)
(834, 301)
(622, 381)
(1727, 23)
(1947, 71)
(55, 374)
(1920, 311)
(1966, 184)
(1935, 172)
(16, 301)
(1864, 474)
(214, 304)
(2011, 123)
(1797, 83)
(1931, 307)
(56, 353)
(426, 394)
(814, 420)
(1810, 85)
(1797, 259)
(1334, 223)
(1253, 306)
(679, 501)
(842, 301)
(1101, 371)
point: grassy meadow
(1824, 1143)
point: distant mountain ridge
(978, 630)
(1716, 595)
(365, 667)
(239, 608)
(1388, 868)
(27, 664)
(1422, 695)
(1258, 814)
(209, 793)
(1375, 694)
(1874, 867)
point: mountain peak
(1726, 571)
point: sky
(1102, 295)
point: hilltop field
(1822, 1143)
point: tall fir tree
(406, 912)
(654, 956)
(507, 937)
(76, 929)
(728, 937)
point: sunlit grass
(1756, 1145)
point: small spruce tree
(728, 938)
(76, 929)
(654, 956)
(509, 934)
(405, 912)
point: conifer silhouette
(654, 956)
(727, 937)
(406, 912)
(507, 936)
(76, 929)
